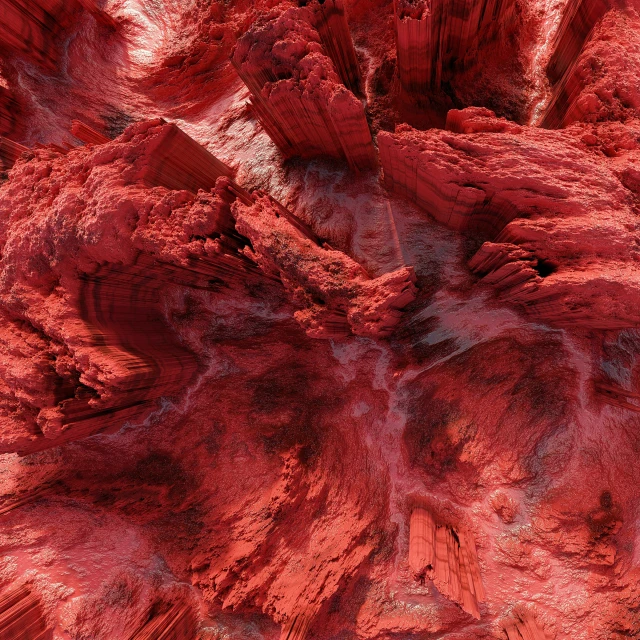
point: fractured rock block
(85, 133)
(434, 36)
(174, 622)
(297, 92)
(580, 16)
(593, 72)
(22, 615)
(337, 297)
(174, 160)
(10, 151)
(532, 195)
(446, 556)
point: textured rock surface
(296, 90)
(531, 195)
(593, 74)
(434, 36)
(194, 462)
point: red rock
(9, 152)
(336, 294)
(434, 36)
(296, 91)
(524, 627)
(9, 112)
(35, 29)
(329, 17)
(593, 74)
(485, 183)
(85, 133)
(177, 622)
(446, 556)
(21, 615)
(104, 328)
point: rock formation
(337, 295)
(21, 615)
(524, 627)
(446, 556)
(295, 62)
(9, 152)
(591, 71)
(85, 133)
(532, 212)
(253, 387)
(111, 267)
(35, 28)
(434, 36)
(175, 622)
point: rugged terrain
(320, 319)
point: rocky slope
(319, 320)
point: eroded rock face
(592, 71)
(287, 62)
(531, 195)
(249, 392)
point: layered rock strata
(10, 112)
(297, 92)
(22, 615)
(10, 151)
(86, 134)
(175, 622)
(433, 37)
(531, 195)
(593, 72)
(446, 556)
(35, 28)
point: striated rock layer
(295, 61)
(434, 36)
(530, 194)
(446, 556)
(593, 74)
(35, 28)
(95, 348)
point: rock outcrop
(86, 134)
(337, 296)
(592, 72)
(93, 348)
(434, 37)
(524, 626)
(532, 195)
(168, 622)
(10, 151)
(446, 556)
(297, 91)
(10, 112)
(22, 615)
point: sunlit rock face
(319, 320)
